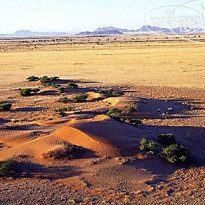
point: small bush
(5, 106)
(46, 79)
(148, 146)
(35, 90)
(69, 152)
(55, 85)
(132, 108)
(62, 110)
(33, 78)
(175, 154)
(72, 85)
(26, 92)
(117, 93)
(7, 167)
(105, 92)
(80, 97)
(61, 89)
(64, 99)
(114, 111)
(29, 91)
(167, 139)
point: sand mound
(103, 136)
(113, 101)
(51, 122)
(93, 95)
(120, 102)
(110, 137)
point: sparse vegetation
(5, 106)
(55, 85)
(72, 85)
(111, 92)
(113, 112)
(175, 154)
(7, 167)
(25, 92)
(33, 78)
(167, 139)
(69, 152)
(64, 99)
(35, 90)
(61, 89)
(62, 110)
(45, 79)
(29, 91)
(80, 97)
(105, 92)
(148, 146)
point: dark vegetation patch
(5, 106)
(111, 92)
(7, 167)
(172, 152)
(72, 85)
(63, 99)
(29, 91)
(80, 97)
(68, 152)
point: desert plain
(75, 151)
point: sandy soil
(121, 61)
(110, 169)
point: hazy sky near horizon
(75, 15)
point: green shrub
(32, 78)
(72, 85)
(64, 99)
(26, 92)
(7, 167)
(5, 106)
(105, 92)
(148, 146)
(62, 110)
(46, 79)
(175, 154)
(55, 85)
(80, 97)
(114, 111)
(35, 90)
(132, 108)
(61, 89)
(69, 152)
(29, 91)
(117, 93)
(167, 139)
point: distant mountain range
(179, 30)
(108, 31)
(28, 33)
(143, 30)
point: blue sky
(75, 15)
